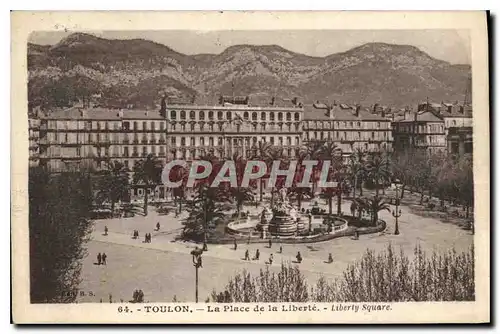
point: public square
(163, 269)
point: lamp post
(397, 212)
(197, 263)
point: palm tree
(375, 205)
(262, 152)
(334, 154)
(114, 183)
(239, 193)
(179, 173)
(315, 151)
(356, 170)
(378, 170)
(147, 174)
(275, 154)
(204, 211)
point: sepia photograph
(217, 171)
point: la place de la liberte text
(272, 308)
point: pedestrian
(235, 245)
(104, 258)
(135, 296)
(330, 258)
(99, 258)
(105, 230)
(158, 226)
(281, 249)
(247, 257)
(270, 243)
(257, 255)
(271, 259)
(149, 237)
(146, 238)
(299, 257)
(140, 296)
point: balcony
(135, 155)
(162, 141)
(144, 141)
(126, 141)
(135, 141)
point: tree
(378, 170)
(179, 173)
(114, 183)
(356, 169)
(374, 206)
(315, 151)
(262, 153)
(147, 174)
(337, 168)
(205, 211)
(59, 226)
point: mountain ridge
(138, 71)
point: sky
(450, 45)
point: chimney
(273, 100)
(415, 116)
(407, 115)
(83, 113)
(358, 107)
(295, 100)
(383, 113)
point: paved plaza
(163, 268)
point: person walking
(247, 255)
(104, 257)
(235, 245)
(99, 259)
(299, 257)
(105, 230)
(257, 254)
(330, 258)
(271, 259)
(158, 226)
(270, 243)
(281, 249)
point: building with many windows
(350, 127)
(420, 131)
(235, 126)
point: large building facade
(349, 127)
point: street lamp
(397, 212)
(197, 263)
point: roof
(76, 113)
(425, 116)
(340, 114)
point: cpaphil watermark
(295, 173)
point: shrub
(384, 277)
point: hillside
(138, 71)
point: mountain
(138, 71)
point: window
(162, 126)
(263, 116)
(373, 135)
(144, 150)
(202, 115)
(219, 115)
(210, 141)
(359, 135)
(228, 115)
(245, 116)
(173, 127)
(136, 126)
(297, 116)
(183, 115)
(126, 164)
(210, 115)
(153, 150)
(271, 116)
(254, 116)
(272, 140)
(288, 116)
(192, 126)
(202, 141)
(173, 141)
(280, 116)
(183, 141)
(173, 115)
(125, 151)
(78, 151)
(152, 126)
(192, 141)
(192, 114)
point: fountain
(285, 221)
